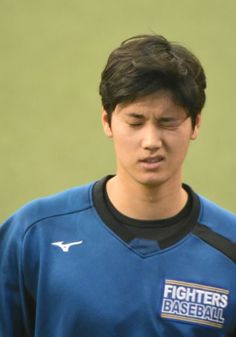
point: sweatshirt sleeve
(16, 307)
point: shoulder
(217, 218)
(70, 201)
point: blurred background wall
(52, 54)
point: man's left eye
(170, 123)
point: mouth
(152, 163)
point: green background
(52, 54)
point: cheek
(124, 145)
(124, 138)
(178, 145)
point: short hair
(145, 64)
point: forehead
(159, 103)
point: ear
(195, 130)
(106, 125)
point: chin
(152, 181)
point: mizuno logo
(66, 246)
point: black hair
(145, 64)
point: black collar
(166, 232)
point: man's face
(151, 137)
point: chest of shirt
(106, 283)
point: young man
(137, 254)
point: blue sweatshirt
(65, 273)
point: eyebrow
(135, 115)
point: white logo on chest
(66, 246)
(194, 303)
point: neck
(146, 202)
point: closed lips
(152, 159)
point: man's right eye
(135, 124)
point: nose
(152, 139)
